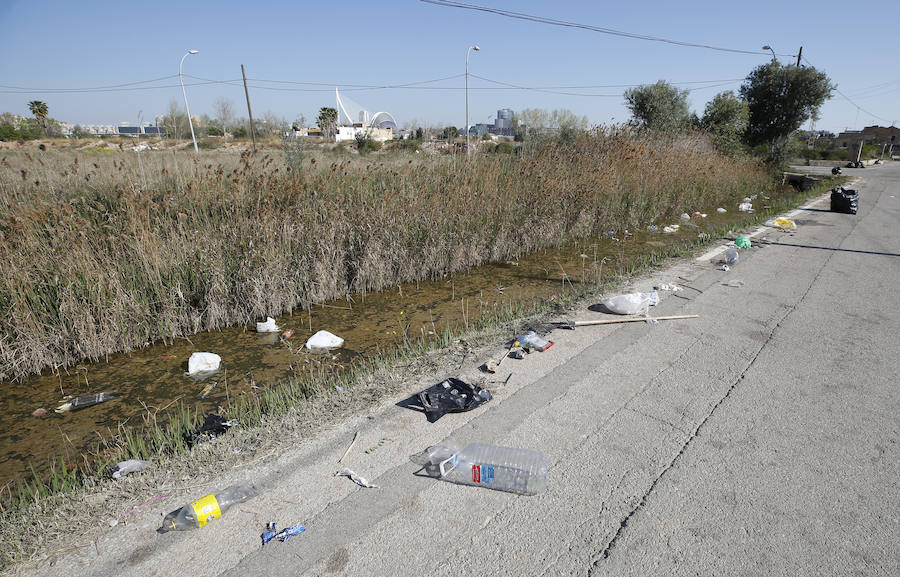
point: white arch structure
(366, 120)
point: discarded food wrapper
(86, 401)
(631, 304)
(203, 363)
(669, 229)
(734, 283)
(287, 334)
(451, 396)
(784, 224)
(745, 207)
(272, 533)
(324, 340)
(668, 287)
(127, 467)
(39, 412)
(212, 427)
(721, 210)
(267, 327)
(742, 241)
(531, 340)
(355, 478)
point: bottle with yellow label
(200, 512)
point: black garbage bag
(212, 427)
(844, 200)
(451, 396)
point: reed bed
(106, 251)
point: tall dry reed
(105, 251)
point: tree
(659, 106)
(224, 111)
(780, 99)
(40, 110)
(327, 121)
(450, 132)
(725, 117)
(79, 132)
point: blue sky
(359, 44)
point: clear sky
(296, 52)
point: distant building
(503, 125)
(868, 135)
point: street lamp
(188, 108)
(476, 49)
(767, 47)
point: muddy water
(153, 379)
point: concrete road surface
(762, 438)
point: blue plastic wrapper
(291, 531)
(272, 533)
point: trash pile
(844, 200)
(451, 396)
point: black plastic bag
(451, 396)
(844, 200)
(212, 427)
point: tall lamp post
(188, 108)
(767, 47)
(476, 49)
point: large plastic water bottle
(200, 512)
(509, 469)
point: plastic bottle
(531, 340)
(200, 512)
(731, 256)
(502, 468)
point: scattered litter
(451, 396)
(339, 388)
(350, 446)
(517, 354)
(355, 478)
(669, 229)
(844, 200)
(721, 210)
(685, 216)
(212, 427)
(128, 467)
(86, 401)
(745, 207)
(631, 304)
(704, 236)
(509, 469)
(267, 327)
(725, 268)
(489, 366)
(531, 341)
(203, 363)
(731, 256)
(272, 533)
(324, 340)
(742, 241)
(668, 287)
(207, 389)
(734, 283)
(39, 412)
(287, 334)
(207, 508)
(697, 213)
(652, 228)
(784, 224)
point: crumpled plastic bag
(267, 327)
(451, 396)
(203, 362)
(742, 241)
(324, 340)
(631, 304)
(361, 481)
(783, 224)
(129, 466)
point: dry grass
(107, 250)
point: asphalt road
(762, 438)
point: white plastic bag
(631, 304)
(324, 340)
(203, 362)
(129, 466)
(267, 327)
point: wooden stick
(349, 447)
(631, 320)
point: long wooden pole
(631, 320)
(250, 112)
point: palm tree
(40, 110)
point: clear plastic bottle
(509, 469)
(731, 256)
(200, 512)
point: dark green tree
(780, 99)
(659, 106)
(725, 117)
(450, 132)
(327, 122)
(40, 110)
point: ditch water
(155, 378)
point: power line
(847, 98)
(601, 30)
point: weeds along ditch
(112, 251)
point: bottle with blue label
(521, 471)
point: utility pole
(799, 54)
(249, 111)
